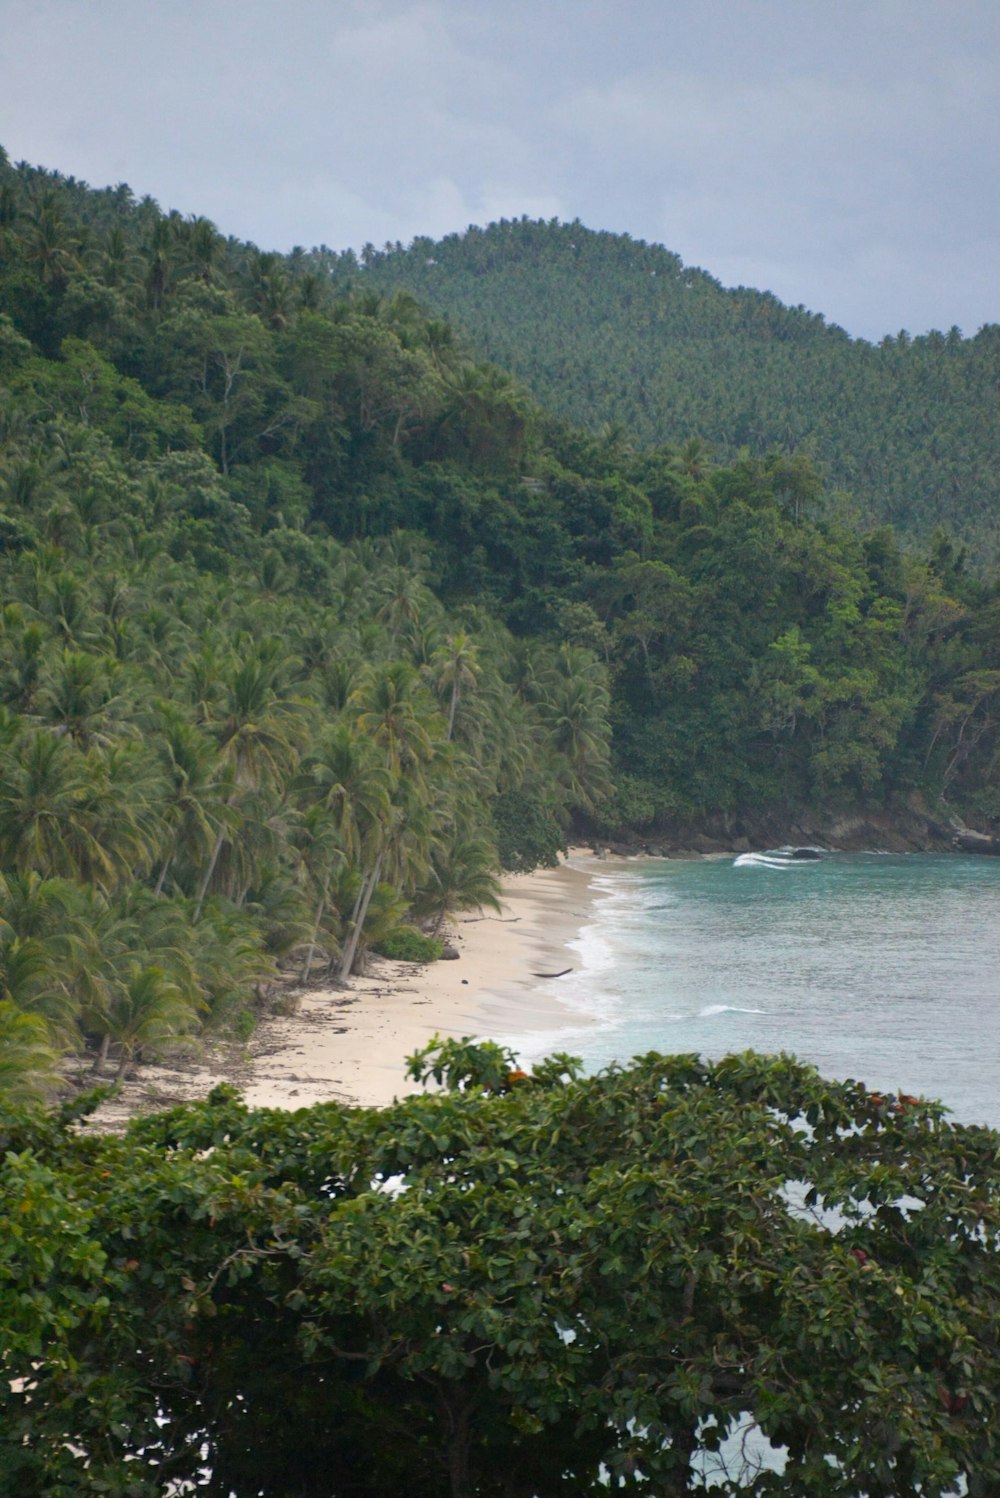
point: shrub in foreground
(516, 1284)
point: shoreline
(350, 1045)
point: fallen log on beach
(561, 974)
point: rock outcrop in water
(976, 842)
(905, 829)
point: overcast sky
(844, 154)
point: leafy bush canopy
(407, 944)
(517, 1283)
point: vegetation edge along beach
(315, 626)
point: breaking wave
(779, 858)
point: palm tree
(158, 260)
(147, 1009)
(270, 291)
(45, 824)
(693, 458)
(258, 738)
(405, 596)
(81, 697)
(396, 713)
(123, 810)
(227, 958)
(323, 856)
(261, 725)
(48, 244)
(194, 804)
(64, 603)
(347, 794)
(456, 669)
(117, 264)
(41, 929)
(199, 245)
(576, 716)
(276, 903)
(392, 709)
(124, 935)
(462, 878)
(29, 1064)
(485, 415)
(22, 675)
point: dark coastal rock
(703, 844)
(903, 828)
(804, 853)
(976, 842)
(449, 953)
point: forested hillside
(311, 622)
(606, 329)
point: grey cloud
(841, 156)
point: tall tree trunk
(206, 881)
(351, 945)
(102, 1054)
(458, 1411)
(163, 874)
(315, 936)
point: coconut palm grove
(314, 622)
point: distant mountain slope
(605, 329)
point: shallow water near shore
(882, 967)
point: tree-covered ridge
(310, 621)
(229, 740)
(517, 1287)
(606, 329)
(219, 748)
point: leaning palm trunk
(357, 925)
(307, 964)
(207, 879)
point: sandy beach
(351, 1045)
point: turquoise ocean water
(881, 967)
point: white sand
(351, 1046)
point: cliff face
(903, 830)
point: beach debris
(561, 974)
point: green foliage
(229, 741)
(407, 944)
(528, 833)
(621, 337)
(28, 1063)
(311, 620)
(515, 1283)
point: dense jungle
(313, 621)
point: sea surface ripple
(881, 967)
